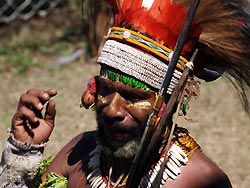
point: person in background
(133, 62)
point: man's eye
(135, 100)
(104, 91)
(133, 97)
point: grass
(28, 61)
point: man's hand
(29, 124)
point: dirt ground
(218, 121)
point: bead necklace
(176, 158)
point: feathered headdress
(221, 32)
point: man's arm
(19, 163)
(29, 134)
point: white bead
(126, 34)
(174, 160)
(97, 182)
(170, 174)
(179, 150)
(173, 168)
(165, 175)
(103, 185)
(179, 157)
(148, 181)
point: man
(133, 64)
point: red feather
(163, 21)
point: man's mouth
(115, 135)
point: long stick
(137, 169)
(173, 103)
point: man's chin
(120, 149)
(120, 145)
(128, 150)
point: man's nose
(116, 107)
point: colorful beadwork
(137, 64)
(120, 32)
(125, 79)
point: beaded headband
(145, 43)
(139, 64)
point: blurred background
(53, 44)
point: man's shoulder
(74, 155)
(80, 147)
(89, 136)
(207, 172)
(84, 142)
(200, 172)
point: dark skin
(121, 114)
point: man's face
(121, 113)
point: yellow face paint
(140, 105)
(114, 101)
(102, 99)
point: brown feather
(225, 41)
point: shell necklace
(176, 158)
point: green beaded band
(115, 75)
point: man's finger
(43, 96)
(24, 114)
(52, 92)
(30, 101)
(50, 113)
(35, 99)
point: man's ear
(88, 97)
(87, 100)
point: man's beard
(126, 150)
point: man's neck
(120, 167)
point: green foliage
(41, 169)
(54, 181)
(44, 165)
